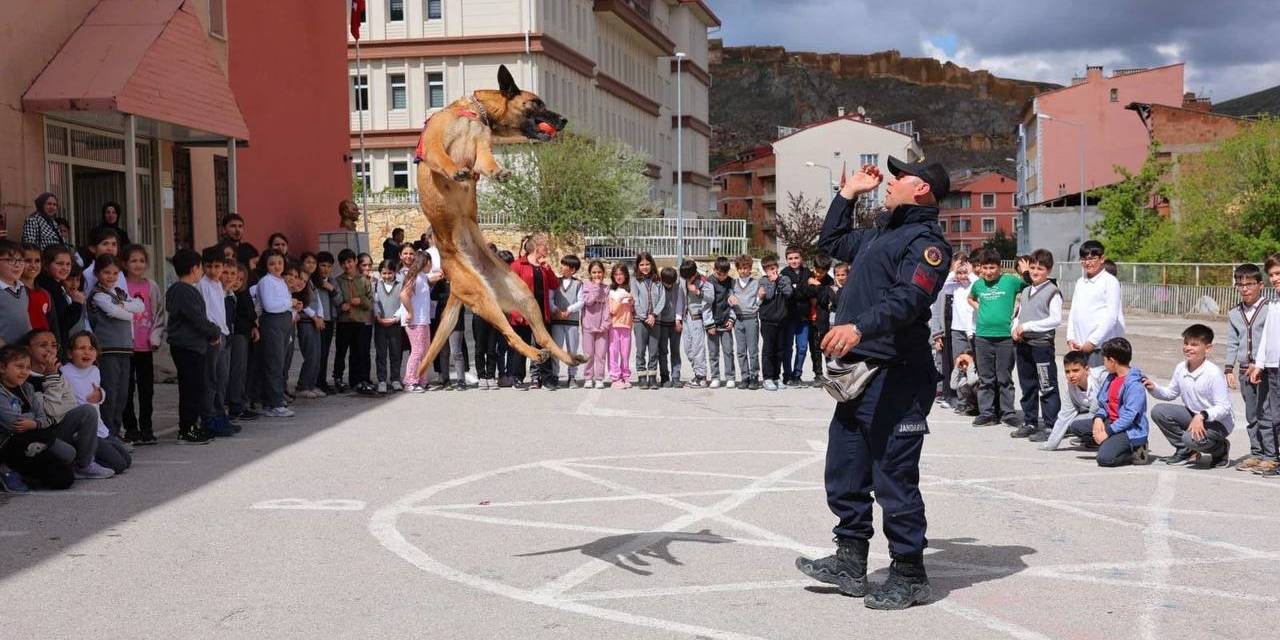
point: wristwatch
(1205, 415)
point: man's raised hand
(861, 181)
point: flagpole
(366, 181)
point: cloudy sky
(1231, 47)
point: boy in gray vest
(1034, 329)
(670, 326)
(565, 318)
(745, 302)
(1245, 323)
(699, 296)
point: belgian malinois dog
(456, 148)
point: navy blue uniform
(874, 442)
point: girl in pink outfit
(594, 298)
(148, 335)
(622, 311)
(415, 314)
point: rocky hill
(1266, 101)
(966, 119)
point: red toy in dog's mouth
(545, 127)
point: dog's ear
(506, 83)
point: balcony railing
(703, 238)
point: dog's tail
(448, 319)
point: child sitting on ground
(1197, 428)
(1082, 400)
(86, 383)
(26, 442)
(75, 425)
(964, 382)
(1119, 427)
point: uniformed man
(874, 440)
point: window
(399, 175)
(944, 225)
(956, 201)
(963, 225)
(361, 171)
(218, 18)
(360, 89)
(435, 89)
(1115, 95)
(869, 159)
(434, 10)
(395, 11)
(988, 201)
(399, 93)
(988, 225)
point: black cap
(933, 175)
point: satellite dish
(861, 111)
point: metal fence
(702, 238)
(1168, 288)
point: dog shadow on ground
(630, 552)
(958, 563)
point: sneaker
(219, 427)
(11, 482)
(1040, 435)
(696, 383)
(470, 378)
(715, 383)
(1180, 458)
(93, 471)
(247, 415)
(729, 384)
(985, 422)
(1024, 431)
(770, 385)
(818, 379)
(600, 384)
(415, 388)
(621, 384)
(340, 386)
(1012, 423)
(746, 384)
(279, 412)
(846, 568)
(146, 440)
(1248, 464)
(327, 389)
(382, 388)
(318, 393)
(396, 386)
(505, 382)
(193, 435)
(907, 585)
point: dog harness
(476, 112)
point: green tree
(1228, 198)
(1131, 227)
(1002, 243)
(569, 188)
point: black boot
(847, 568)
(907, 585)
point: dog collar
(479, 110)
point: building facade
(977, 208)
(151, 103)
(609, 66)
(746, 189)
(1089, 118)
(809, 160)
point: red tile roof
(149, 58)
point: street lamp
(680, 56)
(831, 180)
(1079, 136)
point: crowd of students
(80, 329)
(988, 326)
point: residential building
(609, 66)
(1184, 133)
(1089, 118)
(146, 103)
(747, 190)
(809, 160)
(979, 206)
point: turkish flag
(356, 9)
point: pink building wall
(288, 68)
(1112, 135)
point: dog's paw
(579, 358)
(543, 356)
(462, 175)
(501, 175)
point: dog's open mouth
(543, 126)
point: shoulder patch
(933, 255)
(924, 278)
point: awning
(147, 58)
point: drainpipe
(528, 51)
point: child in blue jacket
(1120, 424)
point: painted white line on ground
(1181, 512)
(987, 620)
(532, 524)
(1139, 585)
(1156, 536)
(693, 514)
(658, 592)
(1215, 474)
(13, 534)
(818, 446)
(613, 498)
(303, 504)
(678, 472)
(69, 493)
(940, 481)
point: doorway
(93, 188)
